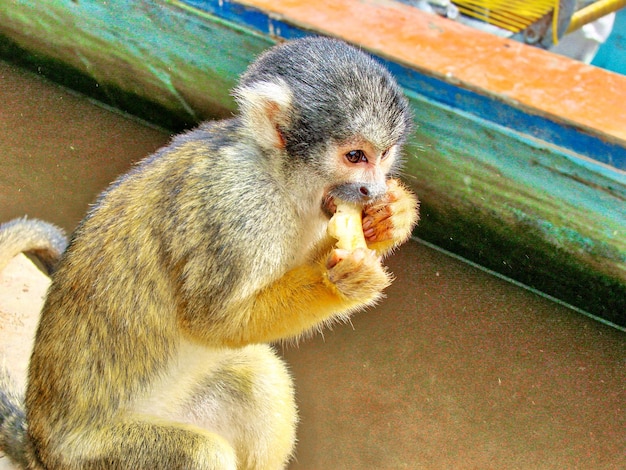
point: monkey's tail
(12, 421)
(45, 241)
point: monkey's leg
(141, 443)
(248, 398)
(244, 395)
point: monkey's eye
(385, 154)
(356, 156)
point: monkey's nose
(359, 192)
(371, 192)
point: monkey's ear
(265, 110)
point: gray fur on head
(336, 92)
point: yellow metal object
(594, 12)
(512, 15)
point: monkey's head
(328, 106)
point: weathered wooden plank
(530, 212)
(185, 62)
(507, 178)
(528, 89)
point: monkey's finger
(379, 233)
(375, 217)
(335, 257)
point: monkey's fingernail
(368, 232)
(367, 223)
(336, 257)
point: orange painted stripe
(531, 78)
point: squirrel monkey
(152, 348)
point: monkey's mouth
(344, 192)
(359, 193)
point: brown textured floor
(456, 369)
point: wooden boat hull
(519, 156)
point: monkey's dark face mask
(359, 192)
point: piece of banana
(346, 225)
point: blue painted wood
(482, 106)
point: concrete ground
(456, 369)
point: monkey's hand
(349, 278)
(358, 274)
(388, 222)
(353, 269)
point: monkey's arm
(351, 278)
(310, 296)
(389, 222)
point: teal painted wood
(532, 210)
(482, 103)
(182, 60)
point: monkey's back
(171, 240)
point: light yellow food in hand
(346, 225)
